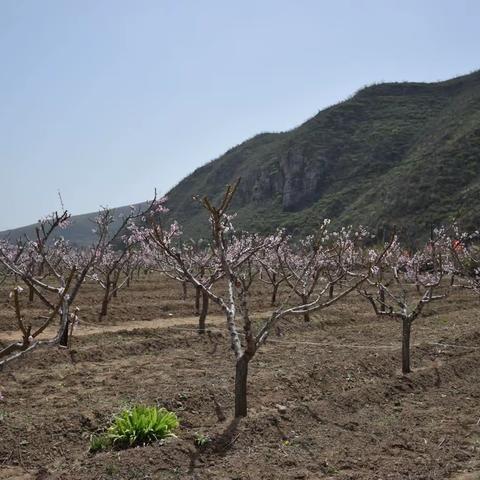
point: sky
(106, 100)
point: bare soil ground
(350, 414)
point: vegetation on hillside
(404, 154)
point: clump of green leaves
(138, 425)
(201, 440)
(98, 443)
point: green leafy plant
(98, 443)
(201, 440)
(138, 425)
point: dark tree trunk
(65, 319)
(306, 315)
(30, 294)
(184, 290)
(406, 330)
(128, 281)
(115, 290)
(198, 292)
(241, 375)
(106, 299)
(203, 313)
(382, 299)
(330, 291)
(274, 294)
(64, 337)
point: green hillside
(81, 230)
(404, 154)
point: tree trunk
(198, 292)
(106, 299)
(330, 291)
(64, 338)
(306, 315)
(382, 299)
(406, 330)
(65, 321)
(274, 294)
(203, 313)
(241, 374)
(30, 294)
(184, 290)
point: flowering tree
(200, 260)
(319, 262)
(403, 284)
(464, 249)
(55, 272)
(40, 265)
(271, 272)
(108, 271)
(120, 253)
(232, 259)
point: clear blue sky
(108, 99)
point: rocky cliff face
(304, 178)
(293, 177)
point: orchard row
(305, 275)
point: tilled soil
(349, 413)
(149, 297)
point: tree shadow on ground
(219, 445)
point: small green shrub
(201, 440)
(98, 443)
(136, 426)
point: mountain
(404, 154)
(81, 230)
